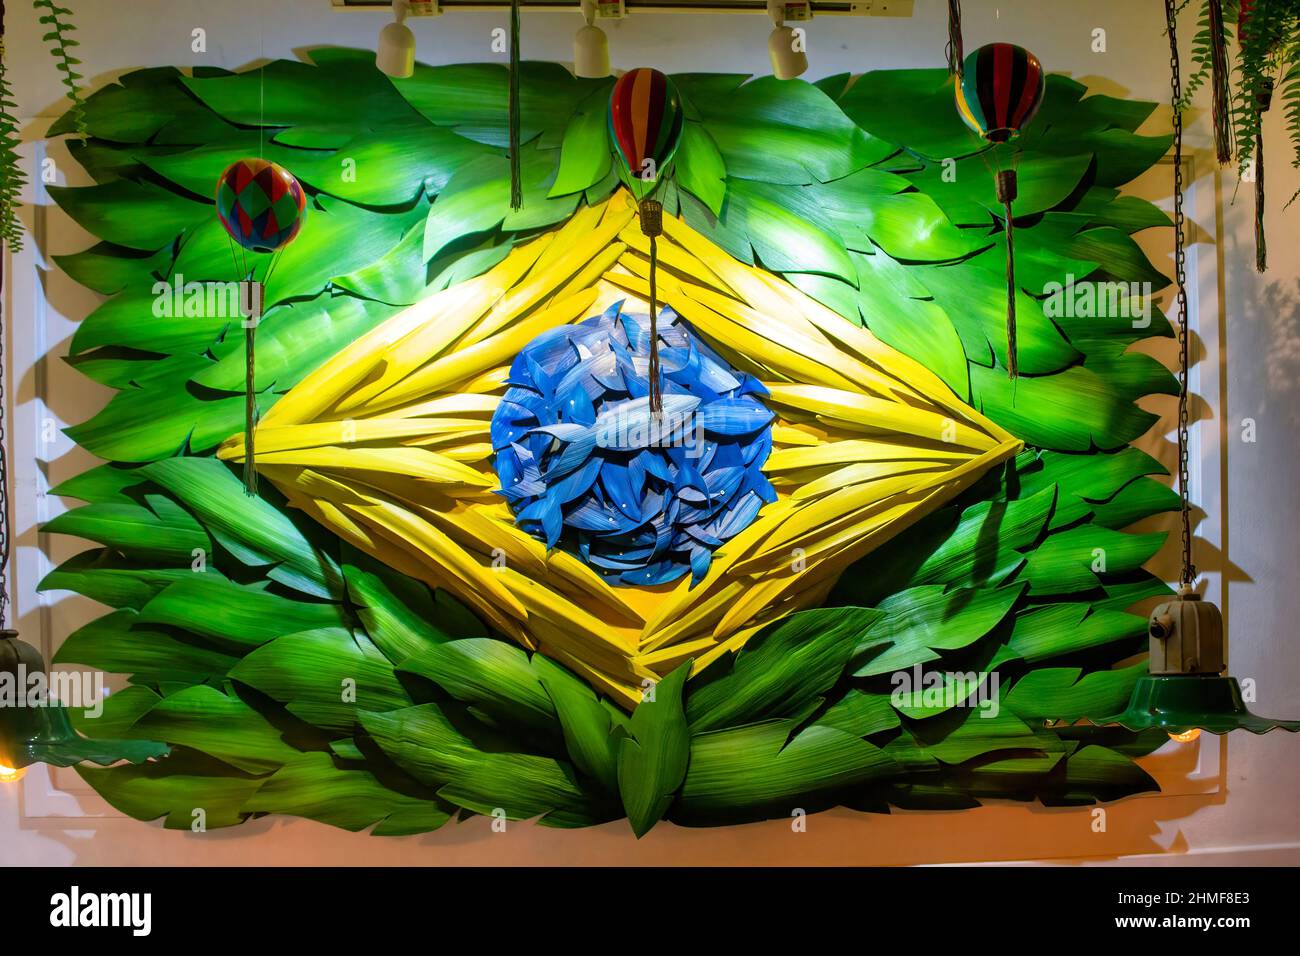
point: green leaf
(1056, 629)
(471, 99)
(911, 108)
(652, 759)
(424, 743)
(136, 215)
(788, 233)
(251, 529)
(399, 613)
(324, 676)
(591, 736)
(1073, 410)
(337, 239)
(108, 269)
(318, 787)
(129, 320)
(223, 727)
(700, 169)
(911, 226)
(294, 339)
(976, 302)
(137, 425)
(116, 643)
(967, 191)
(930, 617)
(1059, 693)
(892, 308)
(751, 772)
(476, 199)
(176, 788)
(972, 552)
(776, 131)
(976, 732)
(492, 676)
(1096, 773)
(135, 530)
(233, 614)
(1071, 561)
(860, 714)
(585, 157)
(116, 581)
(780, 670)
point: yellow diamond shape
(387, 445)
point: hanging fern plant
(12, 179)
(58, 20)
(1267, 72)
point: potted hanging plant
(1266, 73)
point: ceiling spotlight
(787, 46)
(590, 46)
(396, 53)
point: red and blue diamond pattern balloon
(260, 204)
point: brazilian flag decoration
(421, 615)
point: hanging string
(1263, 100)
(1006, 194)
(1013, 366)
(954, 49)
(1221, 108)
(250, 399)
(516, 184)
(656, 397)
(1188, 574)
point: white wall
(1226, 800)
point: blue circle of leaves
(586, 466)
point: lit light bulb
(10, 775)
(1187, 736)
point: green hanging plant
(60, 44)
(12, 179)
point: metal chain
(1180, 277)
(4, 461)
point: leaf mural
(239, 619)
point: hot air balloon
(262, 207)
(260, 204)
(645, 123)
(999, 91)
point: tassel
(1263, 100)
(955, 50)
(652, 225)
(516, 184)
(1006, 181)
(1219, 84)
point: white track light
(590, 46)
(396, 53)
(785, 45)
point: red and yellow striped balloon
(645, 123)
(1000, 91)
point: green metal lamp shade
(1177, 703)
(44, 734)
